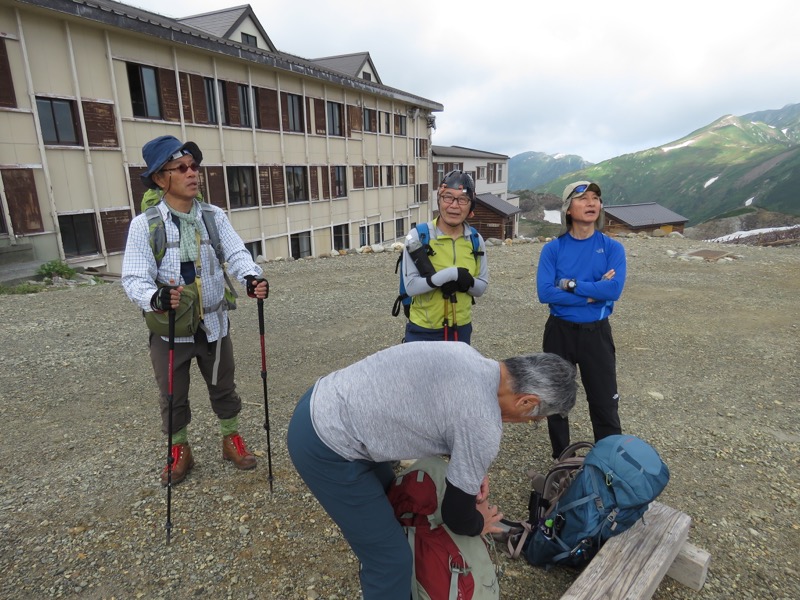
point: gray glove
(439, 278)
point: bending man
(415, 400)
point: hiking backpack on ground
(447, 566)
(582, 501)
(403, 300)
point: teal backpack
(584, 501)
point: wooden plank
(631, 565)
(690, 567)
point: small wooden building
(494, 217)
(647, 217)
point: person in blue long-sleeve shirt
(580, 275)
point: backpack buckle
(460, 569)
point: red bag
(447, 566)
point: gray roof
(497, 204)
(123, 16)
(349, 64)
(462, 152)
(647, 213)
(222, 23)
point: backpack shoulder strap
(424, 233)
(476, 242)
(157, 233)
(207, 212)
(213, 233)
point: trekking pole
(453, 301)
(170, 458)
(264, 380)
(445, 322)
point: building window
(377, 230)
(223, 103)
(438, 175)
(241, 190)
(366, 75)
(78, 234)
(244, 105)
(363, 235)
(254, 248)
(386, 175)
(301, 244)
(399, 228)
(370, 120)
(402, 175)
(250, 40)
(295, 111)
(369, 177)
(335, 110)
(57, 118)
(341, 237)
(211, 99)
(481, 174)
(339, 182)
(7, 96)
(296, 184)
(401, 124)
(386, 123)
(143, 83)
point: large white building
(304, 155)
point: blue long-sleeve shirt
(585, 261)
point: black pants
(591, 347)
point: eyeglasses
(449, 199)
(183, 167)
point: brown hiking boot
(182, 463)
(235, 450)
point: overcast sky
(596, 79)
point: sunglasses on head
(184, 167)
(580, 189)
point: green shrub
(56, 268)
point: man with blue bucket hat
(188, 278)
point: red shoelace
(238, 443)
(176, 456)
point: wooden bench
(631, 565)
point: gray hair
(549, 377)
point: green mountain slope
(734, 162)
(529, 170)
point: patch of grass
(22, 288)
(531, 229)
(56, 268)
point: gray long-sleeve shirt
(414, 400)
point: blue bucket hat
(160, 151)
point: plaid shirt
(140, 272)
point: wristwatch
(571, 285)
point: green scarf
(190, 226)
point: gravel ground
(708, 373)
